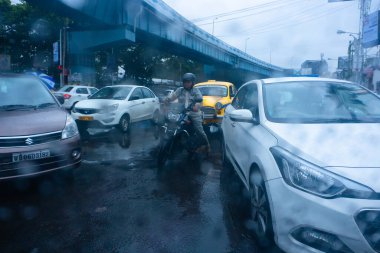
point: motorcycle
(177, 134)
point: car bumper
(212, 120)
(299, 211)
(96, 120)
(64, 154)
(67, 104)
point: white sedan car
(306, 151)
(117, 105)
(75, 93)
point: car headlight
(313, 179)
(218, 106)
(109, 108)
(74, 110)
(70, 129)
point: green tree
(27, 34)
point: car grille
(368, 222)
(20, 141)
(87, 111)
(208, 112)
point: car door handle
(143, 102)
(233, 124)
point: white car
(75, 93)
(117, 105)
(306, 152)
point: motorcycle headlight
(218, 106)
(70, 129)
(109, 108)
(313, 179)
(173, 116)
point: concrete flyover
(152, 22)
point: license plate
(86, 118)
(18, 157)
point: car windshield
(158, 168)
(217, 91)
(23, 93)
(320, 102)
(116, 93)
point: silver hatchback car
(306, 151)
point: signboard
(371, 30)
(56, 52)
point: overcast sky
(283, 32)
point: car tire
(223, 151)
(124, 123)
(260, 214)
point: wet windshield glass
(217, 91)
(106, 146)
(117, 93)
(16, 93)
(320, 102)
(66, 89)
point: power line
(236, 11)
(278, 24)
(305, 12)
(303, 21)
(252, 14)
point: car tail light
(66, 96)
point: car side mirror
(134, 98)
(243, 115)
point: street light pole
(245, 47)
(60, 58)
(213, 25)
(358, 63)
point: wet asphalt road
(117, 202)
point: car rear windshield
(217, 91)
(66, 89)
(24, 93)
(320, 102)
(116, 93)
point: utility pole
(364, 6)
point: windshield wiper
(44, 105)
(16, 107)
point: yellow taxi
(216, 96)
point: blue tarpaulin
(48, 80)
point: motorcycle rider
(188, 95)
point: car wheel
(156, 117)
(261, 221)
(223, 151)
(124, 123)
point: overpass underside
(120, 23)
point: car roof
(301, 79)
(125, 85)
(214, 82)
(78, 86)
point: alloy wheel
(259, 211)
